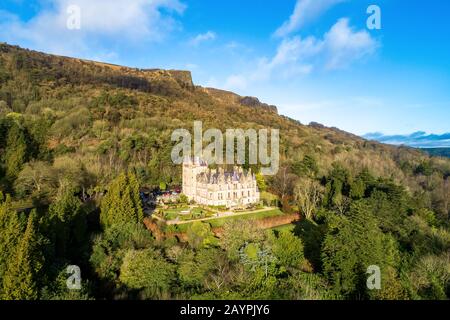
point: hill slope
(79, 138)
(95, 108)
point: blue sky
(315, 59)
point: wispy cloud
(305, 11)
(207, 36)
(297, 56)
(343, 45)
(102, 21)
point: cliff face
(59, 70)
(184, 78)
(254, 102)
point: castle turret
(192, 167)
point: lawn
(221, 221)
(171, 214)
(196, 213)
(257, 215)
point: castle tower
(191, 168)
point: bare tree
(283, 183)
(220, 277)
(36, 176)
(308, 194)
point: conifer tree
(122, 203)
(16, 151)
(20, 279)
(11, 229)
(352, 244)
(67, 224)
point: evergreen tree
(67, 225)
(122, 203)
(20, 279)
(352, 244)
(16, 151)
(11, 230)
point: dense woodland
(79, 139)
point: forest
(80, 139)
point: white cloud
(296, 56)
(338, 48)
(305, 11)
(344, 46)
(207, 36)
(102, 21)
(290, 59)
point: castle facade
(216, 187)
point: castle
(215, 187)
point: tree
(430, 277)
(16, 151)
(147, 269)
(20, 281)
(194, 267)
(306, 168)
(357, 189)
(236, 234)
(199, 235)
(352, 244)
(71, 174)
(308, 194)
(184, 199)
(122, 203)
(283, 182)
(4, 109)
(261, 182)
(287, 248)
(12, 229)
(37, 177)
(110, 246)
(306, 286)
(425, 168)
(337, 186)
(57, 289)
(67, 226)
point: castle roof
(221, 176)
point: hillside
(94, 106)
(78, 139)
(438, 152)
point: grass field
(173, 213)
(221, 221)
(197, 212)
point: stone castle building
(215, 187)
